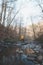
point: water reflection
(25, 58)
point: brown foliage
(6, 33)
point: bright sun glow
(29, 9)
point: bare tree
(13, 17)
(4, 10)
(33, 27)
(9, 15)
(39, 4)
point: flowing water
(14, 60)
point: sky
(30, 11)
